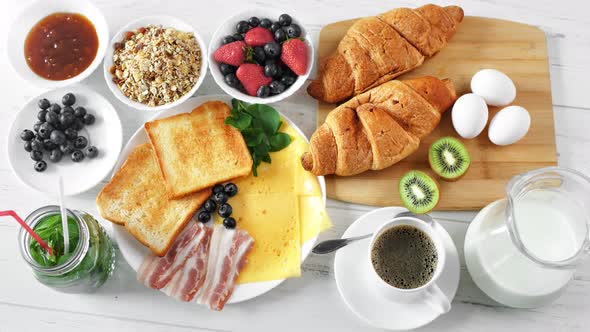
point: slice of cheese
(314, 218)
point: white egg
(495, 87)
(509, 125)
(470, 115)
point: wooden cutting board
(516, 49)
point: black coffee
(404, 257)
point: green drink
(84, 267)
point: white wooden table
(309, 303)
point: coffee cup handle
(437, 300)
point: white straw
(64, 218)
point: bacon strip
(227, 257)
(188, 281)
(156, 272)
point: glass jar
(91, 262)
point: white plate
(106, 134)
(228, 28)
(134, 252)
(32, 14)
(364, 301)
(166, 22)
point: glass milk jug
(522, 251)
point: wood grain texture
(517, 49)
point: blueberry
(285, 20)
(57, 137)
(52, 117)
(45, 130)
(210, 205)
(220, 197)
(280, 36)
(36, 155)
(218, 188)
(80, 142)
(265, 23)
(55, 155)
(77, 156)
(288, 80)
(275, 26)
(37, 126)
(277, 87)
(88, 119)
(41, 166)
(41, 115)
(254, 21)
(67, 109)
(204, 217)
(258, 55)
(71, 133)
(229, 223)
(232, 80)
(66, 119)
(271, 69)
(37, 145)
(28, 146)
(43, 104)
(226, 69)
(230, 189)
(67, 148)
(225, 210)
(238, 36)
(68, 99)
(263, 91)
(293, 31)
(272, 50)
(242, 27)
(54, 108)
(78, 124)
(27, 135)
(79, 112)
(227, 40)
(48, 145)
(92, 152)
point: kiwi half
(419, 192)
(449, 158)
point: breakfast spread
(262, 57)
(57, 133)
(378, 128)
(156, 65)
(61, 46)
(380, 48)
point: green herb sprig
(259, 125)
(51, 232)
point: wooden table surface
(309, 303)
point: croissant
(378, 128)
(379, 48)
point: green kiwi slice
(419, 192)
(449, 158)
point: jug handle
(437, 300)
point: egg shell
(469, 115)
(495, 87)
(509, 125)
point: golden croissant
(378, 128)
(379, 48)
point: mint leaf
(240, 120)
(279, 141)
(269, 119)
(253, 136)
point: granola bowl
(154, 63)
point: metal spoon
(328, 246)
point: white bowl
(33, 14)
(228, 28)
(106, 134)
(166, 22)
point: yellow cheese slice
(314, 218)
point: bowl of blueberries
(72, 132)
(261, 56)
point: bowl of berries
(260, 56)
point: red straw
(27, 228)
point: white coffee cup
(430, 293)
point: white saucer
(367, 304)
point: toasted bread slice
(197, 150)
(137, 198)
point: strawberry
(252, 77)
(258, 37)
(294, 55)
(233, 53)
